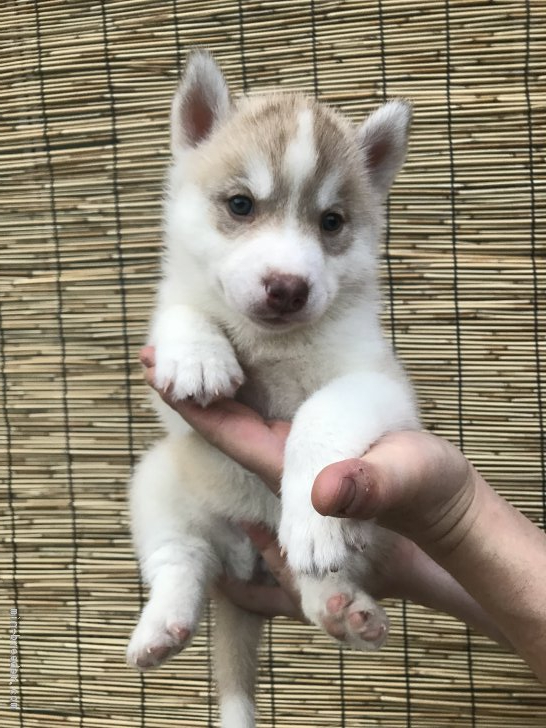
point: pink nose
(286, 293)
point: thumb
(349, 489)
(406, 478)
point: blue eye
(331, 222)
(240, 205)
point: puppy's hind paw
(152, 644)
(357, 621)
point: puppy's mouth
(276, 322)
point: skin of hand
(422, 488)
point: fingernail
(354, 497)
(345, 496)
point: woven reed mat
(85, 89)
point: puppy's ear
(384, 140)
(200, 102)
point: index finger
(266, 543)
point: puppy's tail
(237, 635)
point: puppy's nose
(286, 293)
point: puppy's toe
(152, 644)
(179, 632)
(317, 548)
(367, 629)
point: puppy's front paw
(203, 370)
(314, 544)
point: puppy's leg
(340, 421)
(177, 559)
(177, 575)
(235, 650)
(193, 357)
(343, 610)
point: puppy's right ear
(200, 102)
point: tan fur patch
(264, 128)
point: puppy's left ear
(384, 139)
(201, 101)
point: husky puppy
(270, 294)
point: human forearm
(499, 557)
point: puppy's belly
(211, 485)
(273, 398)
(219, 487)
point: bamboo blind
(85, 89)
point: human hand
(411, 482)
(281, 599)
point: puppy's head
(278, 198)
